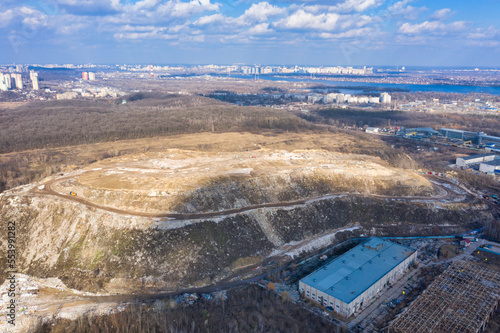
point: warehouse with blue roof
(351, 280)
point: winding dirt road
(444, 194)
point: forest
(252, 308)
(73, 122)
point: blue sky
(335, 32)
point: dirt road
(444, 194)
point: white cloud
(27, 16)
(213, 19)
(484, 33)
(145, 4)
(260, 12)
(35, 22)
(154, 34)
(407, 12)
(356, 5)
(328, 22)
(411, 40)
(433, 27)
(185, 9)
(301, 20)
(6, 17)
(442, 14)
(260, 29)
(353, 33)
(399, 5)
(138, 28)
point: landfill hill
(188, 181)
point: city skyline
(344, 32)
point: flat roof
(494, 163)
(466, 158)
(489, 136)
(457, 131)
(348, 276)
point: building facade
(349, 282)
(474, 159)
(492, 167)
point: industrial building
(372, 130)
(474, 159)
(492, 167)
(458, 134)
(479, 138)
(351, 280)
(489, 140)
(423, 132)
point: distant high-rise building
(385, 98)
(85, 75)
(19, 68)
(34, 79)
(18, 80)
(3, 83)
(8, 80)
(91, 76)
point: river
(345, 86)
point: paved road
(445, 194)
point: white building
(91, 76)
(490, 167)
(5, 82)
(385, 98)
(474, 159)
(372, 130)
(349, 282)
(34, 79)
(18, 80)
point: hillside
(96, 248)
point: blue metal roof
(494, 162)
(358, 269)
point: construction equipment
(72, 193)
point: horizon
(61, 65)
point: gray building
(474, 159)
(489, 140)
(351, 280)
(419, 131)
(490, 167)
(459, 134)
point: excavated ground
(181, 181)
(88, 246)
